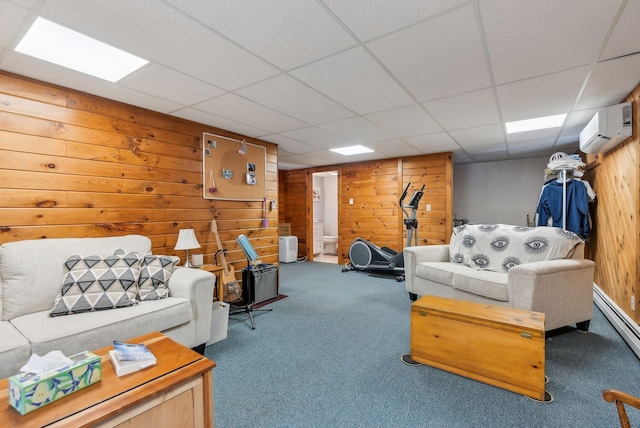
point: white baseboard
(628, 329)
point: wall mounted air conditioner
(609, 127)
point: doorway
(325, 216)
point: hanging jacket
(577, 214)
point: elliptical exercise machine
(365, 256)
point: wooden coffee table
(176, 392)
(500, 346)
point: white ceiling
(403, 77)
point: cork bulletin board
(233, 169)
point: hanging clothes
(577, 209)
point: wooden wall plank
(614, 241)
(375, 188)
(76, 165)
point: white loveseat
(539, 269)
(31, 276)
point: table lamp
(187, 241)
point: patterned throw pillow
(154, 274)
(96, 283)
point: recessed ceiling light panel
(535, 124)
(352, 150)
(59, 45)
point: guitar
(232, 290)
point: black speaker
(259, 283)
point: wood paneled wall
(614, 243)
(76, 165)
(375, 188)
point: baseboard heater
(628, 329)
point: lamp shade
(187, 240)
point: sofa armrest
(197, 286)
(562, 289)
(423, 253)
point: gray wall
(498, 192)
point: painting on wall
(316, 194)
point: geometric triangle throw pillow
(154, 275)
(97, 283)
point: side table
(176, 392)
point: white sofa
(31, 274)
(485, 264)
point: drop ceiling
(403, 77)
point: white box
(288, 252)
(219, 322)
(126, 367)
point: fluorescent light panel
(545, 122)
(59, 45)
(352, 150)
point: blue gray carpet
(329, 356)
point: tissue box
(28, 392)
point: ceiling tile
(624, 40)
(171, 85)
(576, 121)
(285, 165)
(491, 152)
(568, 143)
(373, 18)
(286, 33)
(357, 130)
(481, 136)
(289, 96)
(465, 111)
(394, 148)
(354, 79)
(245, 111)
(417, 68)
(545, 96)
(532, 147)
(318, 158)
(170, 38)
(37, 69)
(433, 143)
(437, 58)
(219, 122)
(610, 82)
(537, 135)
(24, 3)
(13, 16)
(534, 38)
(405, 121)
(290, 145)
(317, 137)
(460, 157)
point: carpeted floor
(329, 356)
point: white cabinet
(318, 233)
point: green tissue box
(28, 392)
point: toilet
(330, 244)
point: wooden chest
(499, 346)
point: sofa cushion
(95, 283)
(499, 247)
(441, 272)
(155, 271)
(483, 283)
(92, 330)
(31, 271)
(14, 350)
